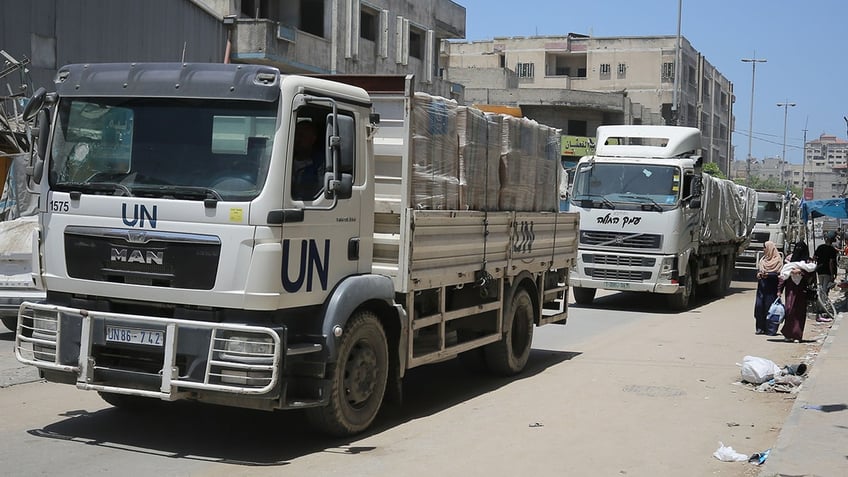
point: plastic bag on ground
(727, 454)
(756, 370)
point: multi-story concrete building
(825, 166)
(299, 36)
(636, 73)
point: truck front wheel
(358, 378)
(584, 296)
(680, 300)
(10, 321)
(508, 356)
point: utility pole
(785, 105)
(675, 114)
(804, 164)
(753, 62)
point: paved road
(624, 389)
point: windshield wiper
(95, 187)
(179, 192)
(604, 200)
(654, 203)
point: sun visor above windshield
(170, 80)
(647, 141)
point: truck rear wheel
(584, 296)
(358, 378)
(509, 355)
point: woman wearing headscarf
(795, 276)
(768, 269)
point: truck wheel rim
(360, 375)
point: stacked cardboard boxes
(467, 159)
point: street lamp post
(753, 62)
(785, 106)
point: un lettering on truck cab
(186, 254)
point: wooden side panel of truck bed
(423, 249)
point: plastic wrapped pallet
(435, 174)
(728, 211)
(518, 164)
(547, 170)
(478, 159)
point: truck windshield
(619, 184)
(768, 212)
(189, 149)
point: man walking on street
(825, 257)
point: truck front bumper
(149, 356)
(623, 271)
(662, 288)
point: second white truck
(651, 221)
(779, 221)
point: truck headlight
(249, 345)
(667, 268)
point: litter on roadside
(767, 376)
(727, 454)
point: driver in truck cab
(308, 164)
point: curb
(789, 432)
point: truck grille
(759, 237)
(162, 259)
(617, 274)
(619, 261)
(620, 239)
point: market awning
(811, 209)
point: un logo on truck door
(311, 263)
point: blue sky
(804, 43)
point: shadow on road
(656, 303)
(255, 438)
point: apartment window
(622, 70)
(667, 74)
(581, 72)
(605, 70)
(312, 17)
(254, 8)
(502, 59)
(416, 43)
(524, 70)
(562, 71)
(368, 23)
(577, 128)
(691, 75)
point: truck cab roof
(664, 142)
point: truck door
(323, 247)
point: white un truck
(185, 257)
(651, 221)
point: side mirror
(340, 145)
(38, 150)
(342, 139)
(35, 104)
(340, 189)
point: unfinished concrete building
(582, 82)
(299, 36)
